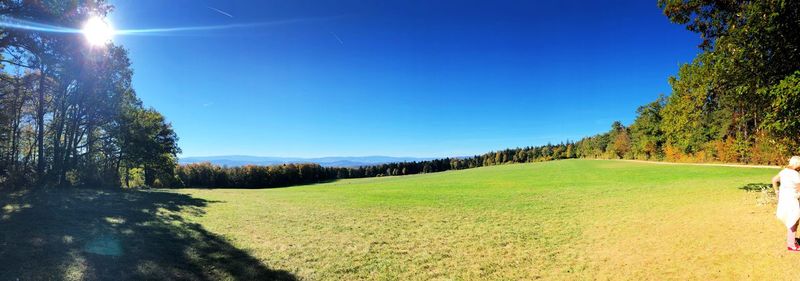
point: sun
(97, 31)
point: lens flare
(97, 31)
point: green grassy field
(574, 219)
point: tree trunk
(40, 164)
(14, 153)
(59, 115)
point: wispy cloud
(220, 11)
(337, 38)
(173, 30)
(208, 104)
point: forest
(70, 117)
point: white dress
(788, 205)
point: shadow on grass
(115, 235)
(756, 187)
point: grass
(575, 219)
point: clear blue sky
(399, 78)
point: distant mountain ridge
(335, 161)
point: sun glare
(97, 31)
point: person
(787, 186)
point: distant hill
(241, 160)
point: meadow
(571, 219)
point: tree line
(253, 176)
(68, 113)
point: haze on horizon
(410, 79)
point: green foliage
(148, 142)
(710, 18)
(614, 144)
(782, 116)
(646, 135)
(133, 177)
(686, 119)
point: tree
(620, 143)
(687, 115)
(148, 142)
(647, 138)
(781, 119)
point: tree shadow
(756, 187)
(84, 234)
